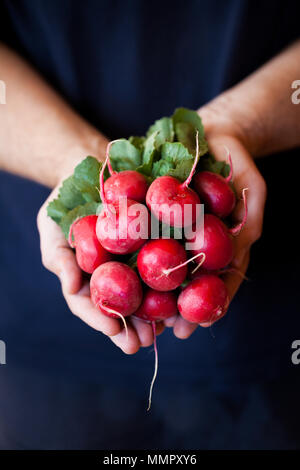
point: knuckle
(38, 220)
(256, 233)
(260, 185)
(46, 261)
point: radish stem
(189, 178)
(106, 162)
(236, 230)
(229, 177)
(170, 270)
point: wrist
(230, 114)
(90, 143)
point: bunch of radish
(161, 285)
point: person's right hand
(59, 258)
(221, 134)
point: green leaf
(56, 210)
(175, 161)
(182, 170)
(90, 208)
(165, 129)
(69, 195)
(86, 179)
(209, 163)
(132, 262)
(149, 155)
(175, 152)
(186, 134)
(137, 141)
(185, 283)
(161, 168)
(124, 156)
(184, 115)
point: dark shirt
(123, 64)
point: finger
(81, 305)
(234, 279)
(246, 175)
(68, 271)
(144, 331)
(57, 256)
(170, 322)
(129, 344)
(183, 329)
(160, 328)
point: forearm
(41, 137)
(260, 107)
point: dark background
(122, 65)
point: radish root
(170, 270)
(110, 310)
(236, 230)
(156, 364)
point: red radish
(122, 227)
(89, 252)
(129, 183)
(215, 191)
(124, 230)
(204, 300)
(217, 244)
(157, 306)
(116, 290)
(155, 259)
(167, 196)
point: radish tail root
(169, 271)
(156, 364)
(189, 178)
(110, 310)
(229, 177)
(199, 264)
(236, 230)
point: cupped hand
(59, 258)
(245, 175)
